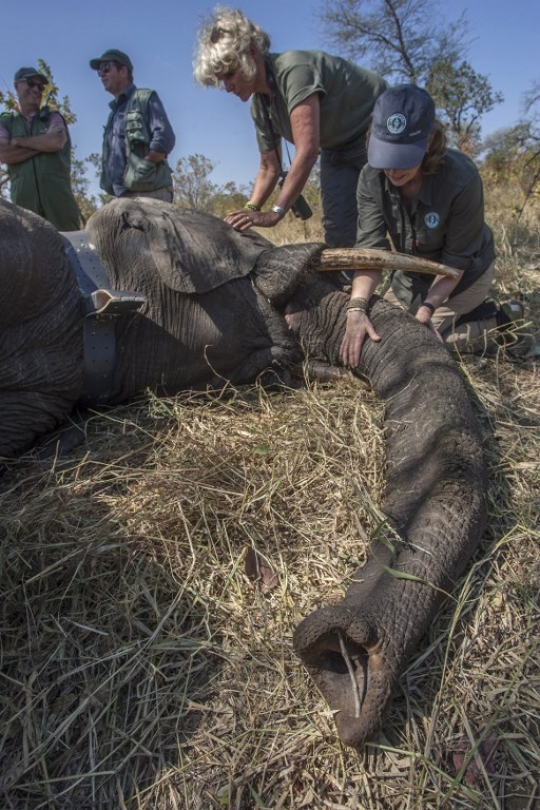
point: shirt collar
(425, 195)
(122, 98)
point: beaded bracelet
(358, 305)
(252, 207)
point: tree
(410, 41)
(532, 97)
(194, 190)
(532, 106)
(229, 197)
(514, 153)
(400, 36)
(80, 186)
(462, 97)
(94, 160)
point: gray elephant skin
(220, 308)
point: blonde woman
(320, 103)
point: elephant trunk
(435, 505)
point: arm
(12, 155)
(358, 323)
(463, 239)
(266, 179)
(438, 293)
(464, 225)
(265, 182)
(371, 233)
(162, 135)
(305, 124)
(18, 150)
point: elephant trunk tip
(342, 653)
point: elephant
(193, 304)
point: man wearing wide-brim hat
(35, 145)
(138, 135)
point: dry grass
(141, 667)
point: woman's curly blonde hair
(224, 44)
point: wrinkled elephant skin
(221, 308)
(434, 501)
(205, 323)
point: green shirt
(347, 94)
(42, 184)
(444, 222)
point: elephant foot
(342, 652)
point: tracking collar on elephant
(101, 307)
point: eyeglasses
(31, 83)
(105, 67)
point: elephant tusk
(373, 259)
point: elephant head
(212, 312)
(203, 324)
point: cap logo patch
(396, 123)
(432, 219)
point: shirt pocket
(429, 234)
(134, 127)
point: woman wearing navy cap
(418, 197)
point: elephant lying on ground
(209, 306)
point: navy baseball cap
(25, 73)
(403, 118)
(112, 55)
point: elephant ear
(194, 252)
(279, 270)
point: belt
(101, 307)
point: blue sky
(160, 37)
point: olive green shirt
(346, 91)
(444, 222)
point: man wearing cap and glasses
(418, 197)
(138, 136)
(35, 145)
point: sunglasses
(104, 67)
(31, 83)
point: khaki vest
(139, 175)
